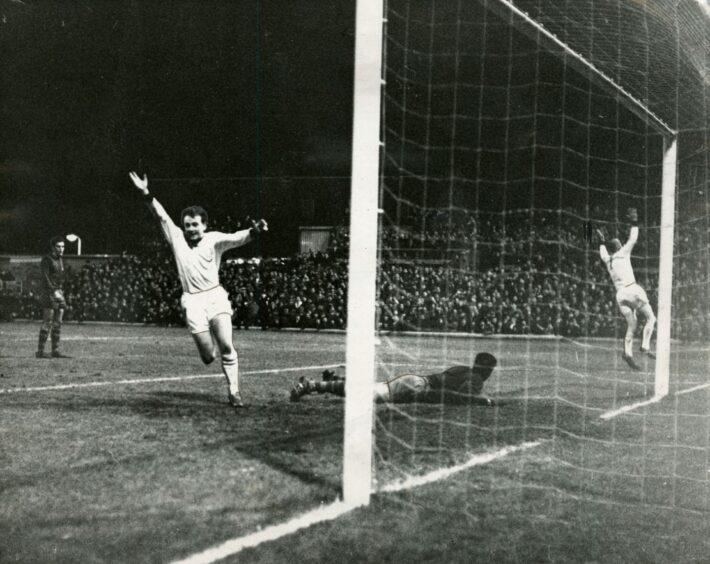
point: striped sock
(56, 334)
(43, 334)
(230, 368)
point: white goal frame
(362, 277)
(362, 263)
(526, 24)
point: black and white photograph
(355, 281)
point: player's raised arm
(140, 183)
(632, 216)
(167, 224)
(243, 236)
(602, 245)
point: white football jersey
(198, 266)
(619, 264)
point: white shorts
(202, 307)
(633, 296)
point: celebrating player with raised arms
(629, 295)
(205, 303)
(455, 385)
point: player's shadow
(304, 440)
(299, 440)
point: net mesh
(501, 155)
(656, 50)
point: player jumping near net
(205, 303)
(629, 295)
(456, 385)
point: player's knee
(207, 357)
(227, 350)
(229, 356)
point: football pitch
(129, 452)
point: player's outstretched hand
(140, 183)
(632, 214)
(600, 235)
(259, 227)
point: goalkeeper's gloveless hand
(600, 235)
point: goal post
(492, 143)
(362, 274)
(534, 29)
(665, 266)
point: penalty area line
(476, 460)
(159, 379)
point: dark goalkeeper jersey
(52, 274)
(460, 379)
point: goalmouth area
(120, 455)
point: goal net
(511, 132)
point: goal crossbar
(534, 29)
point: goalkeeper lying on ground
(456, 385)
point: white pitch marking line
(163, 379)
(654, 399)
(98, 339)
(476, 460)
(230, 547)
(693, 389)
(614, 412)
(338, 508)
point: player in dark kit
(53, 303)
(456, 385)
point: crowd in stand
(515, 280)
(301, 291)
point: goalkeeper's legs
(47, 315)
(647, 312)
(331, 384)
(56, 332)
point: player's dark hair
(615, 245)
(54, 240)
(194, 211)
(483, 365)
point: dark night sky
(255, 99)
(187, 88)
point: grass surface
(128, 452)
